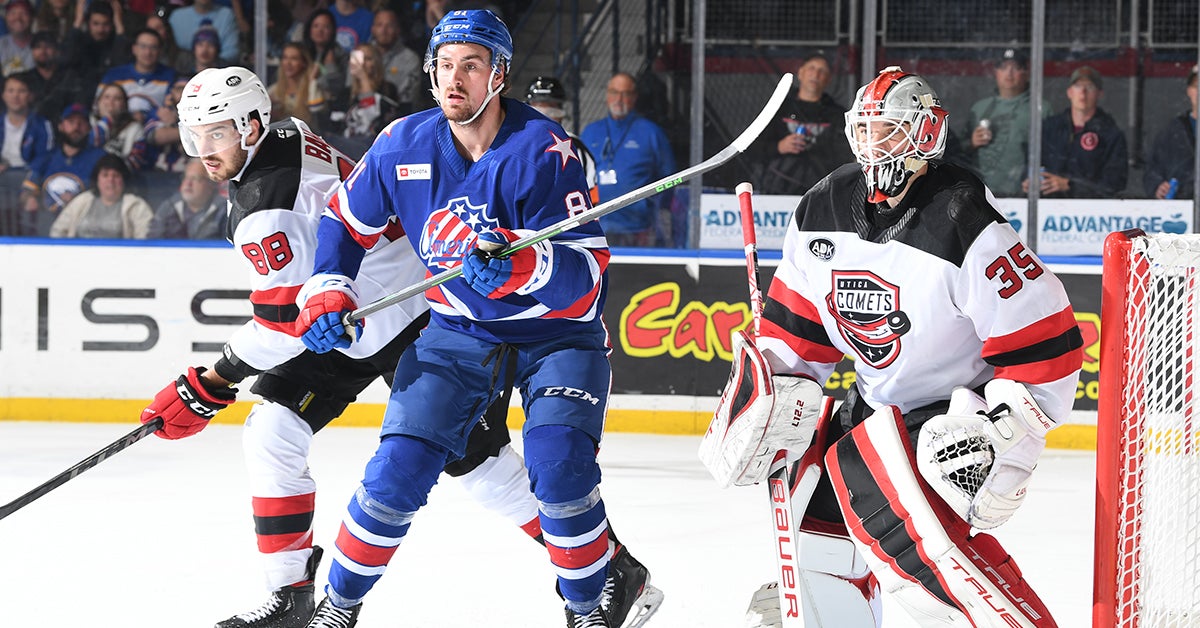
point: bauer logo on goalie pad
(758, 415)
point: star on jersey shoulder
(562, 146)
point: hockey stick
(739, 145)
(779, 486)
(141, 432)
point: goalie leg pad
(759, 414)
(836, 587)
(917, 546)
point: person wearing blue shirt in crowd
(630, 152)
(145, 76)
(185, 21)
(25, 136)
(353, 23)
(1084, 154)
(57, 177)
(1173, 155)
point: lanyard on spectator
(609, 152)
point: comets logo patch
(449, 232)
(868, 315)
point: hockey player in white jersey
(281, 176)
(546, 94)
(966, 352)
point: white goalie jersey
(937, 294)
(275, 205)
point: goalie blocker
(759, 414)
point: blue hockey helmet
(480, 27)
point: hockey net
(1147, 570)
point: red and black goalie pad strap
(892, 512)
(283, 523)
(865, 468)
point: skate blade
(644, 607)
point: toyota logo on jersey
(866, 309)
(449, 232)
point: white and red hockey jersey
(937, 293)
(275, 204)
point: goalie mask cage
(1147, 569)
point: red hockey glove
(186, 405)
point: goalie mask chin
(897, 124)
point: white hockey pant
(501, 485)
(275, 444)
(921, 551)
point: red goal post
(1147, 544)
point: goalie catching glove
(758, 415)
(980, 455)
(186, 405)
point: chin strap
(490, 95)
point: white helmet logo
(233, 81)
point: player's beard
(229, 165)
(458, 110)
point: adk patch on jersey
(868, 315)
(821, 248)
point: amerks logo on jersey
(866, 309)
(449, 232)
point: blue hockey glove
(521, 272)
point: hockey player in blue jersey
(462, 179)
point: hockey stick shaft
(141, 432)
(750, 242)
(739, 145)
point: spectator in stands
(96, 43)
(1173, 155)
(401, 66)
(185, 21)
(295, 94)
(353, 24)
(54, 17)
(25, 136)
(997, 130)
(53, 86)
(15, 53)
(171, 54)
(157, 159)
(57, 178)
(206, 50)
(105, 210)
(1084, 154)
(330, 61)
(807, 138)
(195, 212)
(146, 75)
(113, 126)
(368, 106)
(631, 151)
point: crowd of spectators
(85, 79)
(89, 145)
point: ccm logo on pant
(570, 393)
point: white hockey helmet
(895, 126)
(219, 95)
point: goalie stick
(789, 486)
(141, 432)
(739, 145)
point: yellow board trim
(679, 422)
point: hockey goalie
(965, 353)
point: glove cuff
(327, 282)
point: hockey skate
(330, 616)
(629, 598)
(288, 607)
(596, 619)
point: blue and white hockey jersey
(530, 178)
